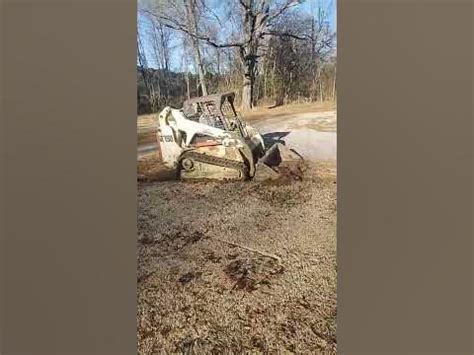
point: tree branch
(177, 26)
(244, 5)
(285, 34)
(214, 15)
(288, 5)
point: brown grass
(146, 128)
(144, 122)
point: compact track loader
(207, 139)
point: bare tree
(258, 18)
(187, 14)
(192, 25)
(334, 85)
(143, 66)
(160, 44)
(266, 49)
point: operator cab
(216, 111)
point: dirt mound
(152, 169)
(290, 171)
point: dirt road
(312, 134)
(243, 267)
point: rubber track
(212, 160)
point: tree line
(268, 51)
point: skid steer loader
(208, 140)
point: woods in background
(268, 51)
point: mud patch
(281, 193)
(188, 277)
(248, 274)
(212, 257)
(290, 171)
(151, 169)
(177, 239)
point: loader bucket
(279, 162)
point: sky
(330, 6)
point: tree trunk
(200, 69)
(265, 82)
(192, 23)
(188, 93)
(146, 79)
(274, 78)
(165, 64)
(321, 98)
(247, 93)
(248, 96)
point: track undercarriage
(214, 163)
